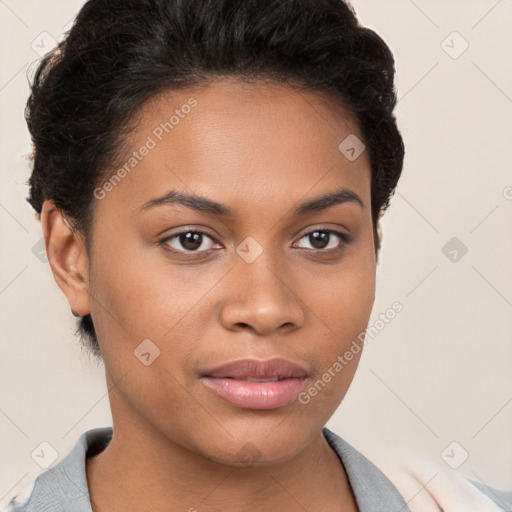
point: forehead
(236, 141)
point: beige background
(439, 372)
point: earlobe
(68, 258)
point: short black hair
(120, 53)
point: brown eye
(319, 239)
(189, 241)
(325, 239)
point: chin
(255, 448)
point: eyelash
(344, 240)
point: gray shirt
(63, 488)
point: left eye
(191, 241)
(325, 239)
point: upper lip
(258, 369)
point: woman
(210, 179)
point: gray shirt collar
(63, 488)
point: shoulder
(63, 487)
(429, 486)
(373, 490)
(420, 485)
(501, 497)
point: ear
(67, 255)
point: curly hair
(120, 53)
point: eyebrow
(205, 205)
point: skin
(261, 150)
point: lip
(257, 384)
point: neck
(141, 470)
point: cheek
(136, 293)
(342, 301)
(343, 307)
(143, 297)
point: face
(251, 266)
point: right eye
(189, 241)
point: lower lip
(256, 395)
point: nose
(262, 297)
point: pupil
(319, 239)
(191, 240)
